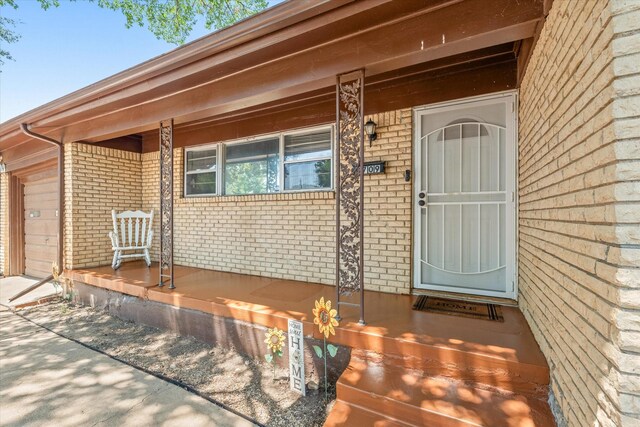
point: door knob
(421, 195)
(421, 203)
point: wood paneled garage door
(40, 226)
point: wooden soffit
(285, 52)
(470, 74)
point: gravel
(241, 382)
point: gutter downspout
(25, 129)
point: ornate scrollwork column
(350, 189)
(166, 204)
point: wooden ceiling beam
(445, 65)
(459, 81)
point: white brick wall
(579, 188)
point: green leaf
(333, 350)
(268, 357)
(318, 350)
(279, 353)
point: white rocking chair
(132, 231)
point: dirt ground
(240, 382)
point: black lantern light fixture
(370, 130)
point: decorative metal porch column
(166, 204)
(350, 190)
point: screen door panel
(464, 208)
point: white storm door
(465, 197)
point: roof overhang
(289, 50)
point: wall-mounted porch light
(370, 130)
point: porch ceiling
(286, 52)
(478, 72)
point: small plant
(55, 272)
(275, 343)
(325, 318)
(65, 284)
(58, 279)
(64, 309)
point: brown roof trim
(265, 22)
(288, 51)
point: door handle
(422, 195)
(421, 203)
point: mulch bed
(225, 375)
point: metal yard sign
(296, 357)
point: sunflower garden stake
(325, 318)
(275, 342)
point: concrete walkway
(46, 380)
(10, 286)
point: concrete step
(344, 414)
(470, 366)
(412, 397)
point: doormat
(476, 310)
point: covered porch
(170, 137)
(434, 367)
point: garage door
(40, 226)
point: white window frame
(314, 159)
(217, 171)
(220, 148)
(226, 144)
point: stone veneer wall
(579, 193)
(292, 236)
(97, 180)
(4, 222)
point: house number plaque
(373, 168)
(296, 357)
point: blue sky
(66, 48)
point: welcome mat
(476, 310)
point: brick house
(510, 139)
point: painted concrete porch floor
(392, 326)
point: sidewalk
(46, 380)
(10, 286)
